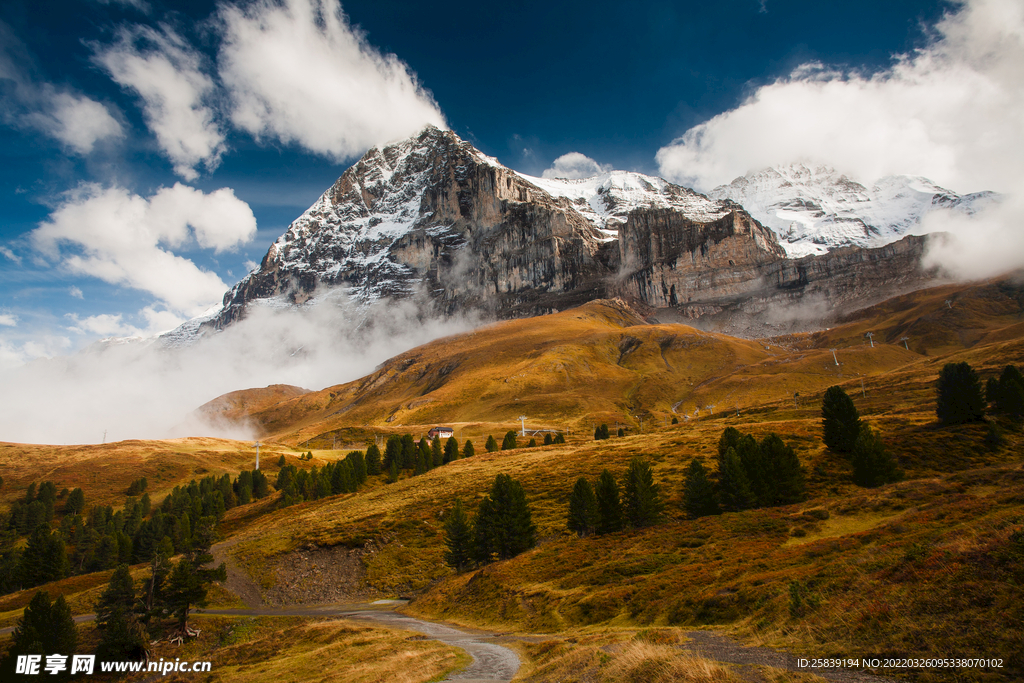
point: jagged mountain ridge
(433, 213)
(432, 216)
(815, 208)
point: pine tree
(45, 628)
(188, 582)
(959, 397)
(75, 504)
(1007, 392)
(784, 477)
(872, 464)
(436, 452)
(408, 452)
(491, 445)
(609, 508)
(393, 472)
(281, 461)
(458, 538)
(503, 526)
(734, 491)
(123, 637)
(373, 463)
(44, 558)
(559, 438)
(698, 491)
(509, 442)
(582, 508)
(468, 451)
(392, 452)
(451, 450)
(548, 439)
(840, 423)
(641, 500)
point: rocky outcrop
(433, 217)
(432, 214)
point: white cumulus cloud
(8, 320)
(295, 70)
(950, 111)
(167, 74)
(574, 166)
(123, 238)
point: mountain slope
(602, 362)
(815, 209)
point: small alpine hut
(440, 432)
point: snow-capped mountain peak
(815, 208)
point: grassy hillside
(602, 363)
(931, 566)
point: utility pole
(862, 392)
(834, 356)
(522, 419)
(871, 338)
(949, 303)
(104, 436)
(257, 447)
(904, 340)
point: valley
(928, 566)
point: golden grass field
(922, 567)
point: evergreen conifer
(45, 628)
(872, 464)
(492, 444)
(734, 491)
(959, 398)
(451, 450)
(373, 463)
(698, 491)
(509, 442)
(582, 508)
(840, 423)
(641, 499)
(468, 451)
(503, 526)
(609, 507)
(458, 538)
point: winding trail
(492, 662)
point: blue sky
(151, 151)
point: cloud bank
(950, 111)
(574, 166)
(297, 72)
(144, 390)
(123, 238)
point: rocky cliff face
(432, 216)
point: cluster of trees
(405, 453)
(750, 475)
(104, 538)
(599, 508)
(342, 476)
(137, 487)
(511, 441)
(960, 399)
(503, 527)
(124, 616)
(1006, 393)
(844, 432)
(39, 506)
